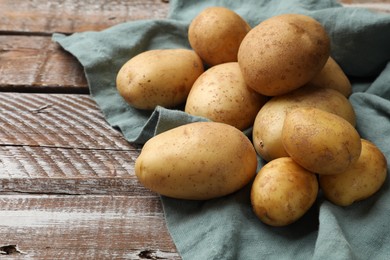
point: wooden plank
(84, 227)
(36, 64)
(68, 16)
(60, 143)
(68, 171)
(56, 120)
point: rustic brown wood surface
(84, 227)
(41, 17)
(37, 64)
(67, 183)
(64, 140)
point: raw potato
(332, 76)
(216, 34)
(221, 95)
(197, 161)
(283, 192)
(267, 128)
(283, 53)
(320, 141)
(358, 182)
(159, 77)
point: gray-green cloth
(226, 228)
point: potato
(267, 128)
(283, 192)
(216, 34)
(320, 141)
(283, 53)
(197, 161)
(360, 181)
(221, 95)
(159, 77)
(332, 76)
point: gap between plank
(135, 149)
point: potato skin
(360, 181)
(332, 76)
(320, 141)
(216, 34)
(221, 95)
(159, 77)
(267, 128)
(283, 192)
(283, 53)
(197, 161)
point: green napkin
(226, 228)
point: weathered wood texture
(31, 63)
(84, 227)
(61, 143)
(68, 16)
(36, 64)
(74, 120)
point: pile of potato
(277, 78)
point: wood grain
(57, 144)
(36, 64)
(32, 63)
(68, 171)
(41, 17)
(74, 120)
(84, 227)
(60, 143)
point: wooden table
(67, 183)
